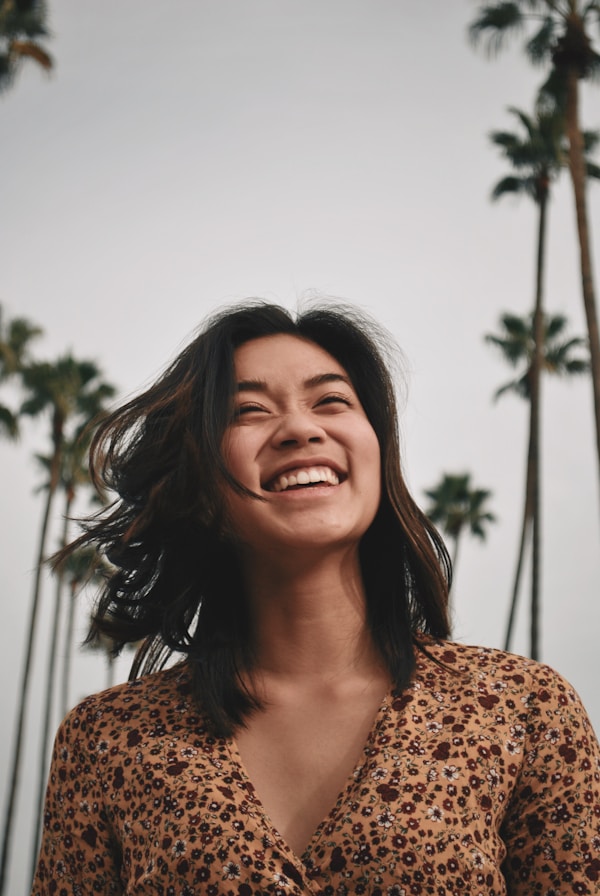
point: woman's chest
(423, 803)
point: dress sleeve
(79, 853)
(552, 825)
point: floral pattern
(481, 778)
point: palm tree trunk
(578, 178)
(521, 553)
(454, 558)
(110, 670)
(534, 426)
(534, 647)
(50, 678)
(17, 753)
(530, 517)
(531, 504)
(68, 652)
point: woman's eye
(247, 409)
(335, 399)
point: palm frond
(512, 349)
(591, 139)
(15, 338)
(590, 7)
(9, 424)
(576, 366)
(538, 155)
(526, 120)
(593, 71)
(518, 387)
(592, 170)
(454, 505)
(7, 71)
(540, 46)
(517, 344)
(495, 23)
(505, 139)
(557, 358)
(552, 95)
(554, 324)
(516, 326)
(23, 18)
(510, 184)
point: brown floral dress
(481, 778)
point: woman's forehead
(281, 355)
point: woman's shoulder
(485, 685)
(494, 670)
(150, 699)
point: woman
(321, 734)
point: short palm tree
(68, 392)
(518, 343)
(74, 476)
(22, 24)
(81, 568)
(457, 507)
(559, 36)
(16, 336)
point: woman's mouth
(303, 477)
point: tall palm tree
(457, 507)
(22, 24)
(518, 343)
(537, 157)
(16, 336)
(559, 37)
(67, 391)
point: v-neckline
(351, 782)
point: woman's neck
(310, 619)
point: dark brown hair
(177, 582)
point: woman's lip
(315, 489)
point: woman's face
(300, 439)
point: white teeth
(305, 476)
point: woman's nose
(298, 429)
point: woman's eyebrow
(252, 386)
(318, 380)
(322, 378)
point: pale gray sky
(187, 155)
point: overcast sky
(187, 155)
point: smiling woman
(300, 435)
(320, 734)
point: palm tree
(561, 40)
(69, 391)
(74, 475)
(22, 23)
(16, 336)
(456, 507)
(82, 567)
(537, 157)
(518, 345)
